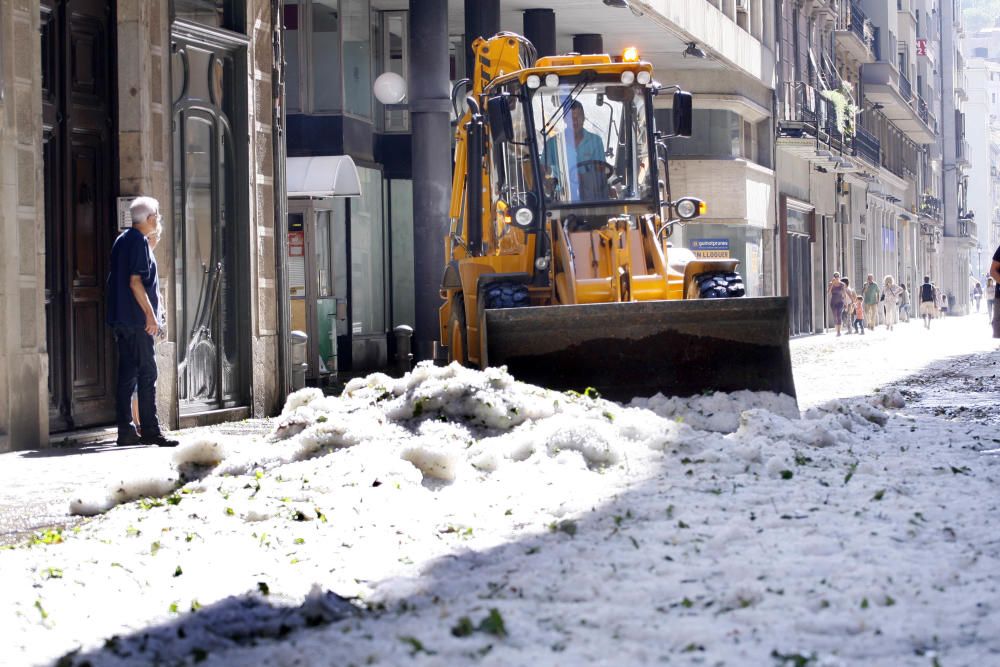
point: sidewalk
(37, 484)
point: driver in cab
(584, 150)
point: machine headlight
(542, 263)
(643, 77)
(628, 76)
(533, 81)
(551, 80)
(689, 207)
(524, 217)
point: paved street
(38, 484)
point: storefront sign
(710, 248)
(921, 47)
(296, 244)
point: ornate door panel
(79, 151)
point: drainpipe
(280, 199)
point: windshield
(593, 142)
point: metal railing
(930, 206)
(852, 18)
(905, 89)
(816, 114)
(923, 111)
(866, 146)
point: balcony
(865, 146)
(855, 34)
(962, 153)
(885, 86)
(808, 128)
(930, 207)
(967, 226)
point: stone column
(144, 145)
(540, 29)
(24, 418)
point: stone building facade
(102, 102)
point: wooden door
(78, 101)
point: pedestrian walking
(904, 303)
(849, 296)
(837, 293)
(942, 303)
(977, 294)
(928, 301)
(858, 314)
(890, 302)
(871, 294)
(995, 275)
(133, 296)
(990, 297)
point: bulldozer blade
(636, 349)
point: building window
(718, 133)
(367, 256)
(328, 55)
(228, 14)
(394, 56)
(357, 57)
(324, 66)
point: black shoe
(159, 440)
(127, 437)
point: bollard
(404, 356)
(299, 342)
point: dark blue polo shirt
(130, 256)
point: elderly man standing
(133, 312)
(871, 295)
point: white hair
(143, 207)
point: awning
(322, 176)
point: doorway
(799, 283)
(211, 268)
(79, 154)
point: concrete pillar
(482, 19)
(588, 43)
(429, 113)
(540, 29)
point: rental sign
(710, 248)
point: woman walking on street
(837, 293)
(849, 295)
(977, 294)
(990, 297)
(904, 304)
(890, 302)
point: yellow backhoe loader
(559, 264)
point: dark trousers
(136, 372)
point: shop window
(367, 256)
(228, 14)
(400, 197)
(325, 65)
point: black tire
(506, 294)
(720, 285)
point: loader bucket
(627, 350)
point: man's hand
(152, 328)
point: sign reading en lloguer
(710, 248)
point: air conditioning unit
(743, 6)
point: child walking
(859, 314)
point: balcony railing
(817, 115)
(866, 146)
(966, 226)
(905, 89)
(852, 18)
(930, 206)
